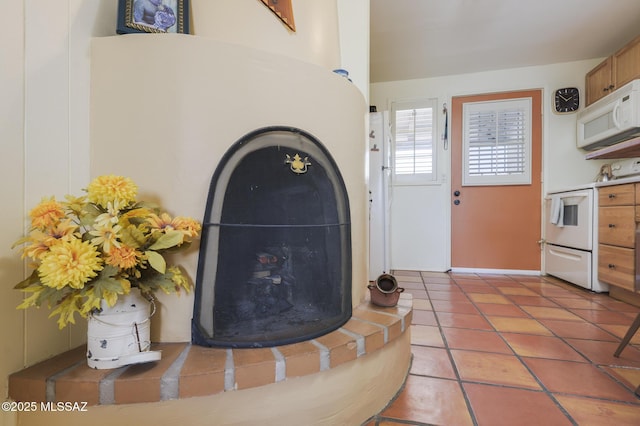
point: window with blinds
(497, 142)
(414, 130)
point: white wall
(44, 83)
(37, 156)
(11, 190)
(353, 19)
(56, 150)
(420, 215)
(316, 39)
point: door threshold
(494, 271)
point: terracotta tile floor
(515, 350)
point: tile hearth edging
(187, 370)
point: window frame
(498, 106)
(414, 178)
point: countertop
(596, 185)
(621, 181)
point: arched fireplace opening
(275, 254)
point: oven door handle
(567, 197)
(564, 254)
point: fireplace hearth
(275, 255)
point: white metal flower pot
(120, 335)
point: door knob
(456, 193)
(456, 202)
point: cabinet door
(598, 81)
(626, 63)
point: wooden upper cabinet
(599, 81)
(626, 63)
(614, 72)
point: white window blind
(414, 152)
(497, 142)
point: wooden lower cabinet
(617, 195)
(617, 226)
(616, 266)
(618, 214)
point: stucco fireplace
(188, 106)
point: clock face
(566, 100)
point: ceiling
(428, 38)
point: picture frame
(153, 16)
(283, 10)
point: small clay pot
(385, 292)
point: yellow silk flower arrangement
(97, 247)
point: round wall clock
(566, 100)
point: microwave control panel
(626, 168)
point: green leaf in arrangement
(159, 282)
(105, 283)
(132, 236)
(89, 215)
(170, 239)
(32, 279)
(66, 310)
(34, 300)
(156, 261)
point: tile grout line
(583, 357)
(543, 388)
(325, 355)
(50, 383)
(170, 380)
(467, 401)
(587, 360)
(281, 365)
(106, 387)
(229, 371)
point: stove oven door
(569, 219)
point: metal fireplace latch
(298, 165)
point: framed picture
(153, 16)
(283, 10)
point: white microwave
(614, 118)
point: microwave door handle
(614, 116)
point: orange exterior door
(496, 227)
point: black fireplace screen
(275, 255)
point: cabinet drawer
(569, 264)
(617, 226)
(616, 266)
(617, 195)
